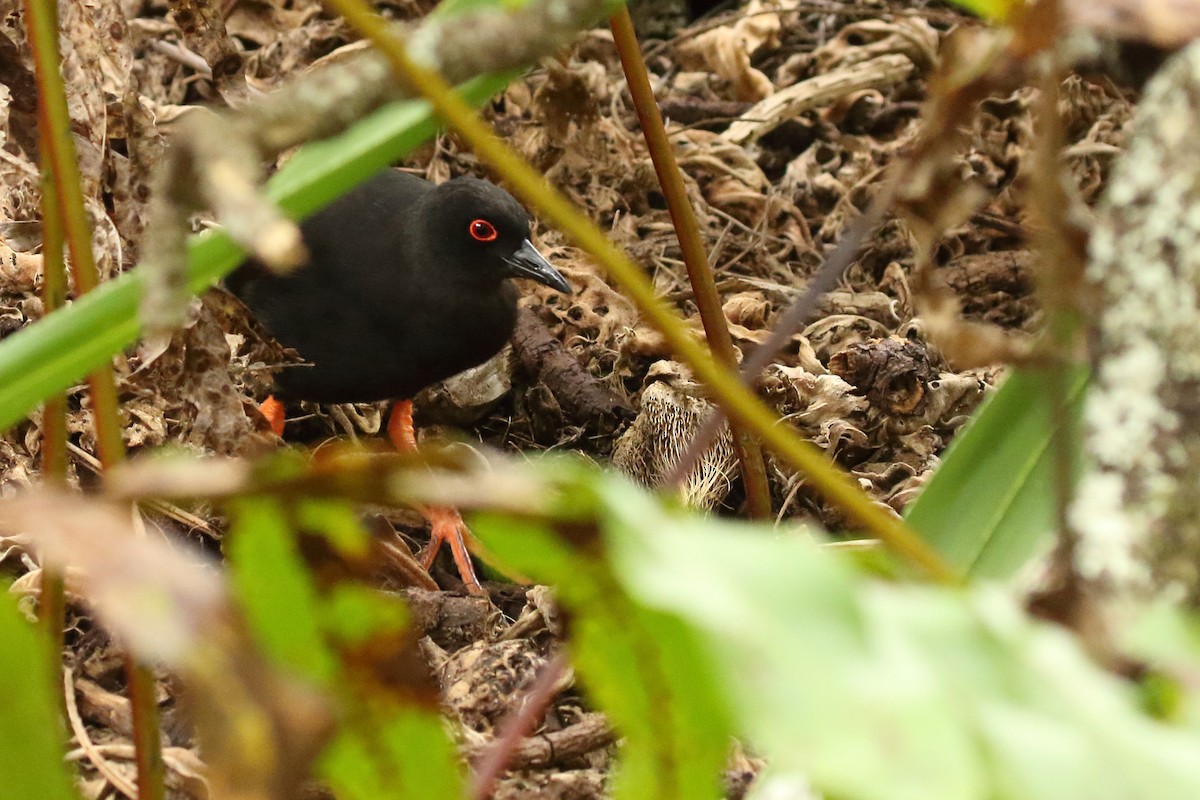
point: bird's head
(479, 224)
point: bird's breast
(441, 337)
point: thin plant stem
(52, 605)
(1062, 246)
(687, 231)
(787, 324)
(59, 152)
(740, 403)
(60, 147)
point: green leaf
(32, 734)
(276, 591)
(391, 740)
(355, 615)
(58, 350)
(406, 755)
(992, 505)
(785, 630)
(863, 688)
(338, 523)
(645, 669)
(886, 691)
(998, 11)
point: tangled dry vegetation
(773, 185)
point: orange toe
(446, 525)
(400, 427)
(273, 411)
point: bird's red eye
(483, 231)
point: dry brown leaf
(727, 50)
(158, 599)
(19, 272)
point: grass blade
(991, 505)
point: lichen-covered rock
(1136, 512)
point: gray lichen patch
(1136, 511)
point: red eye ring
(482, 230)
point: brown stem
(1061, 244)
(52, 604)
(147, 740)
(687, 231)
(789, 323)
(59, 152)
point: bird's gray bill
(527, 262)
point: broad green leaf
(991, 505)
(275, 590)
(405, 754)
(869, 689)
(891, 691)
(61, 348)
(32, 733)
(793, 646)
(645, 669)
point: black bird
(407, 283)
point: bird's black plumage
(406, 284)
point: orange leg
(272, 409)
(445, 524)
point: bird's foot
(400, 427)
(273, 411)
(446, 525)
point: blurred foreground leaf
(287, 664)
(401, 753)
(645, 669)
(275, 591)
(31, 726)
(350, 639)
(868, 689)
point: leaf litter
(785, 116)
